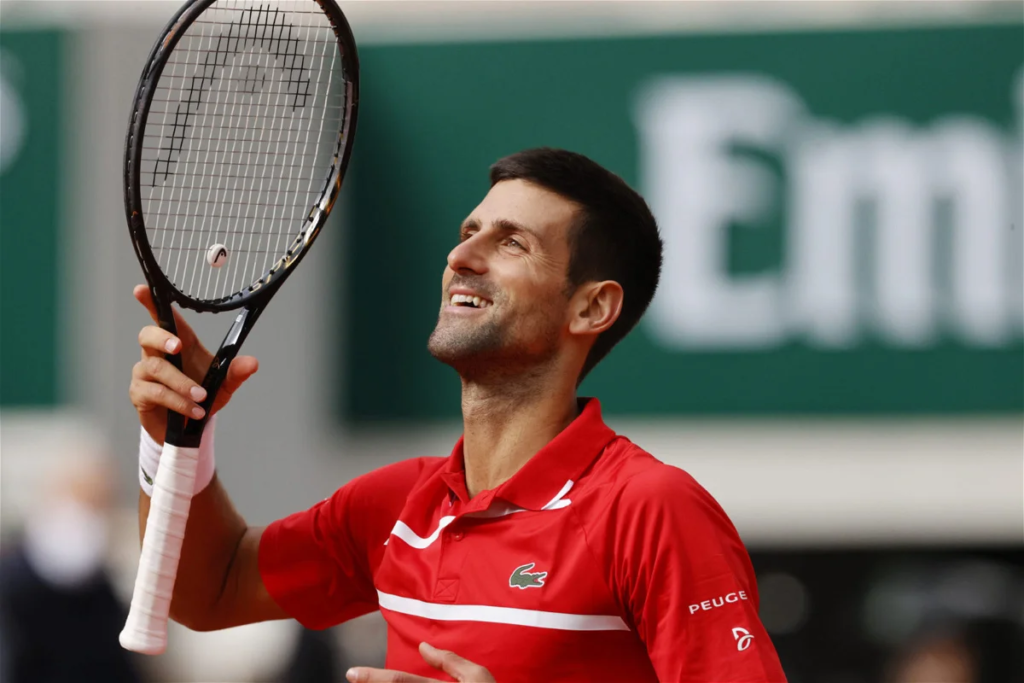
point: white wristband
(149, 459)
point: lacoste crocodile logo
(145, 475)
(523, 578)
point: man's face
(503, 294)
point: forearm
(213, 536)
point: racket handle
(146, 628)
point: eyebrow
(503, 224)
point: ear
(595, 307)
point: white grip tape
(150, 452)
(146, 628)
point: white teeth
(467, 299)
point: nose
(468, 256)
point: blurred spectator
(315, 659)
(59, 616)
(975, 651)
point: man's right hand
(157, 386)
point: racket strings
(238, 153)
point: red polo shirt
(594, 562)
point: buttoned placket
(452, 553)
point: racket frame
(146, 628)
(255, 296)
(261, 290)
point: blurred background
(836, 352)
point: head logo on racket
(217, 256)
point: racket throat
(233, 340)
(192, 431)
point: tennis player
(545, 546)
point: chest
(517, 593)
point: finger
(366, 674)
(457, 667)
(157, 369)
(146, 396)
(156, 341)
(144, 296)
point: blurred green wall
(841, 212)
(32, 155)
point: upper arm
(317, 565)
(686, 581)
(310, 565)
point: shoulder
(660, 486)
(360, 513)
(15, 573)
(400, 477)
(635, 478)
(368, 500)
(386, 489)
(660, 502)
(655, 512)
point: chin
(451, 342)
(454, 355)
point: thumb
(241, 369)
(455, 666)
(144, 296)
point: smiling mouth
(469, 301)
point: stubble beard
(459, 343)
(486, 350)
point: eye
(513, 242)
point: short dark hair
(615, 236)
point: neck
(507, 421)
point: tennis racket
(239, 137)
